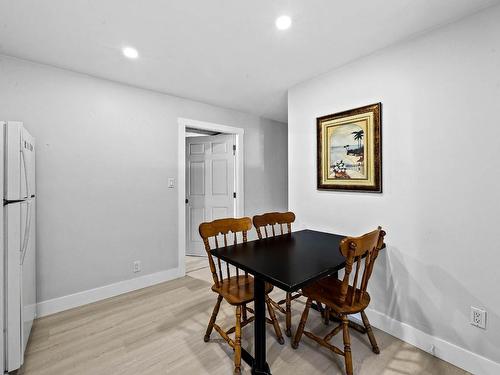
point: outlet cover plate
(137, 266)
(478, 317)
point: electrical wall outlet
(477, 317)
(137, 266)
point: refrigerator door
(15, 215)
(20, 279)
(2, 252)
(19, 162)
(28, 274)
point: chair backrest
(221, 228)
(272, 219)
(354, 249)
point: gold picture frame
(349, 147)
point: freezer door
(19, 163)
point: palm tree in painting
(358, 136)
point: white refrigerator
(18, 239)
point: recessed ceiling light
(130, 52)
(283, 22)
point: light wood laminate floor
(159, 330)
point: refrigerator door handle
(27, 230)
(26, 177)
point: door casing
(184, 123)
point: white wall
(441, 176)
(104, 154)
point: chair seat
(238, 290)
(327, 291)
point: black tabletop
(287, 261)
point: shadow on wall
(404, 299)
(266, 168)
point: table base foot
(261, 372)
(249, 360)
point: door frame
(181, 176)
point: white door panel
(220, 213)
(197, 178)
(219, 177)
(196, 216)
(219, 147)
(210, 184)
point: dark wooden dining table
(288, 261)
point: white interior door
(210, 184)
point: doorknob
(187, 201)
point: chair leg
(288, 318)
(244, 312)
(327, 315)
(237, 342)
(347, 345)
(276, 325)
(369, 331)
(302, 324)
(212, 319)
(320, 309)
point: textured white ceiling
(223, 52)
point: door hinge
(234, 149)
(234, 195)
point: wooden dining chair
(342, 297)
(237, 290)
(272, 224)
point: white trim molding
(181, 175)
(436, 346)
(85, 297)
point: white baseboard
(440, 348)
(59, 304)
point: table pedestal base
(267, 371)
(260, 366)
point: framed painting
(350, 150)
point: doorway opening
(210, 180)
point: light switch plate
(171, 182)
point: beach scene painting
(349, 150)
